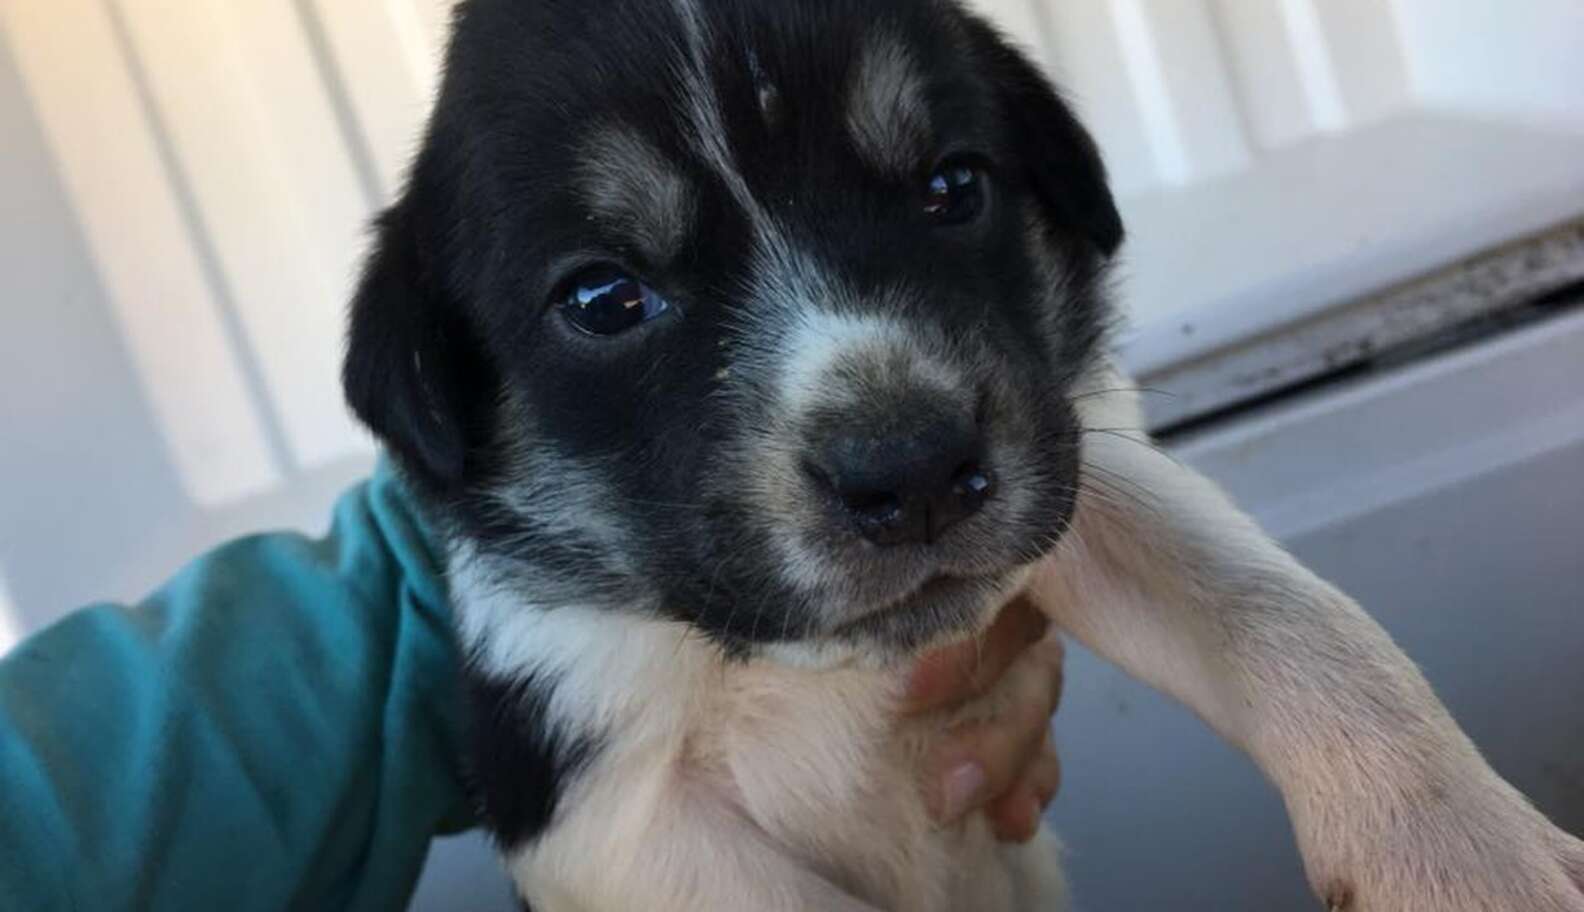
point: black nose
(906, 488)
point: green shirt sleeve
(277, 728)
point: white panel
(1269, 84)
(387, 55)
(110, 163)
(1317, 72)
(10, 625)
(1368, 66)
(274, 185)
(1511, 59)
(1179, 73)
(1304, 66)
(1087, 63)
(1141, 59)
(1326, 222)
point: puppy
(741, 350)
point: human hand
(1006, 766)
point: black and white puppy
(744, 349)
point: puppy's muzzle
(903, 481)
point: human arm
(273, 729)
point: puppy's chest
(819, 761)
(824, 764)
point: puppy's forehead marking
(704, 110)
(888, 108)
(629, 183)
(769, 95)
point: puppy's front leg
(1394, 808)
(638, 843)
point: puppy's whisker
(1136, 436)
(1122, 390)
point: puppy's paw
(1479, 848)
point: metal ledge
(1472, 292)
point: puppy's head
(757, 314)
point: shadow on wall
(86, 480)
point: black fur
(1062, 162)
(519, 762)
(460, 362)
(404, 372)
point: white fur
(1394, 808)
(820, 340)
(738, 787)
(762, 787)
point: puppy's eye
(955, 193)
(604, 301)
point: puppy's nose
(906, 488)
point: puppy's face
(758, 314)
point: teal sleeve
(275, 729)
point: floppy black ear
(402, 371)
(1062, 161)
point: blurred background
(1354, 278)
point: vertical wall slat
(1175, 60)
(275, 189)
(1087, 63)
(1368, 57)
(1269, 85)
(1317, 65)
(1142, 62)
(10, 621)
(388, 66)
(112, 169)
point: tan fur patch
(887, 110)
(629, 183)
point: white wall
(224, 221)
(95, 500)
(1536, 47)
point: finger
(958, 673)
(1015, 816)
(981, 761)
(1052, 654)
(1044, 776)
